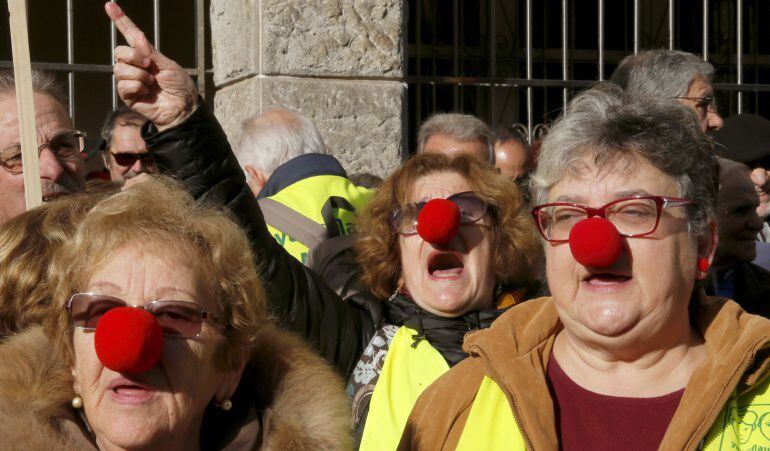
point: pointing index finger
(134, 36)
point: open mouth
(128, 392)
(605, 279)
(445, 265)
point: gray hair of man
(276, 136)
(617, 131)
(42, 82)
(462, 127)
(124, 116)
(660, 73)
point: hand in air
(761, 179)
(147, 81)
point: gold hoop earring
(77, 402)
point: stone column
(338, 62)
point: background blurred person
(62, 170)
(672, 74)
(735, 276)
(123, 150)
(288, 169)
(628, 353)
(159, 340)
(512, 157)
(453, 134)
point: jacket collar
(300, 168)
(515, 352)
(300, 402)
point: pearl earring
(226, 405)
(77, 402)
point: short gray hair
(42, 82)
(604, 124)
(123, 115)
(462, 127)
(275, 137)
(660, 73)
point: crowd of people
(600, 286)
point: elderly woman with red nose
(627, 353)
(158, 340)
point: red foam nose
(128, 340)
(438, 221)
(595, 242)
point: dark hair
(123, 115)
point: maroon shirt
(590, 421)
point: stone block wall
(338, 62)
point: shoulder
(307, 404)
(438, 418)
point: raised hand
(761, 179)
(147, 81)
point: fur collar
(296, 401)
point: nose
(438, 221)
(595, 242)
(715, 121)
(138, 166)
(50, 166)
(128, 340)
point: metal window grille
(510, 61)
(84, 26)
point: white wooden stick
(25, 102)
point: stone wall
(338, 62)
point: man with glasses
(672, 74)
(124, 152)
(62, 170)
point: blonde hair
(160, 213)
(27, 243)
(514, 238)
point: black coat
(752, 288)
(197, 153)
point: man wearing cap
(123, 150)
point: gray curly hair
(610, 126)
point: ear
(229, 382)
(255, 178)
(707, 246)
(75, 383)
(106, 159)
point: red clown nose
(438, 221)
(128, 340)
(595, 242)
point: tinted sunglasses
(176, 318)
(128, 159)
(403, 220)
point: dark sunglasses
(128, 159)
(176, 318)
(66, 146)
(403, 220)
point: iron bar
(600, 44)
(636, 26)
(564, 50)
(200, 47)
(671, 24)
(70, 60)
(66, 67)
(456, 51)
(156, 23)
(529, 67)
(492, 52)
(705, 30)
(739, 50)
(113, 44)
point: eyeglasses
(403, 220)
(634, 217)
(176, 318)
(706, 104)
(66, 146)
(128, 159)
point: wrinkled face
(648, 288)
(511, 158)
(57, 177)
(708, 117)
(738, 219)
(126, 141)
(454, 278)
(165, 404)
(451, 147)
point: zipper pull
(416, 339)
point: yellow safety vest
(742, 425)
(308, 196)
(407, 371)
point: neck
(632, 367)
(171, 442)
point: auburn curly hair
(518, 251)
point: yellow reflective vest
(742, 425)
(308, 197)
(407, 371)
